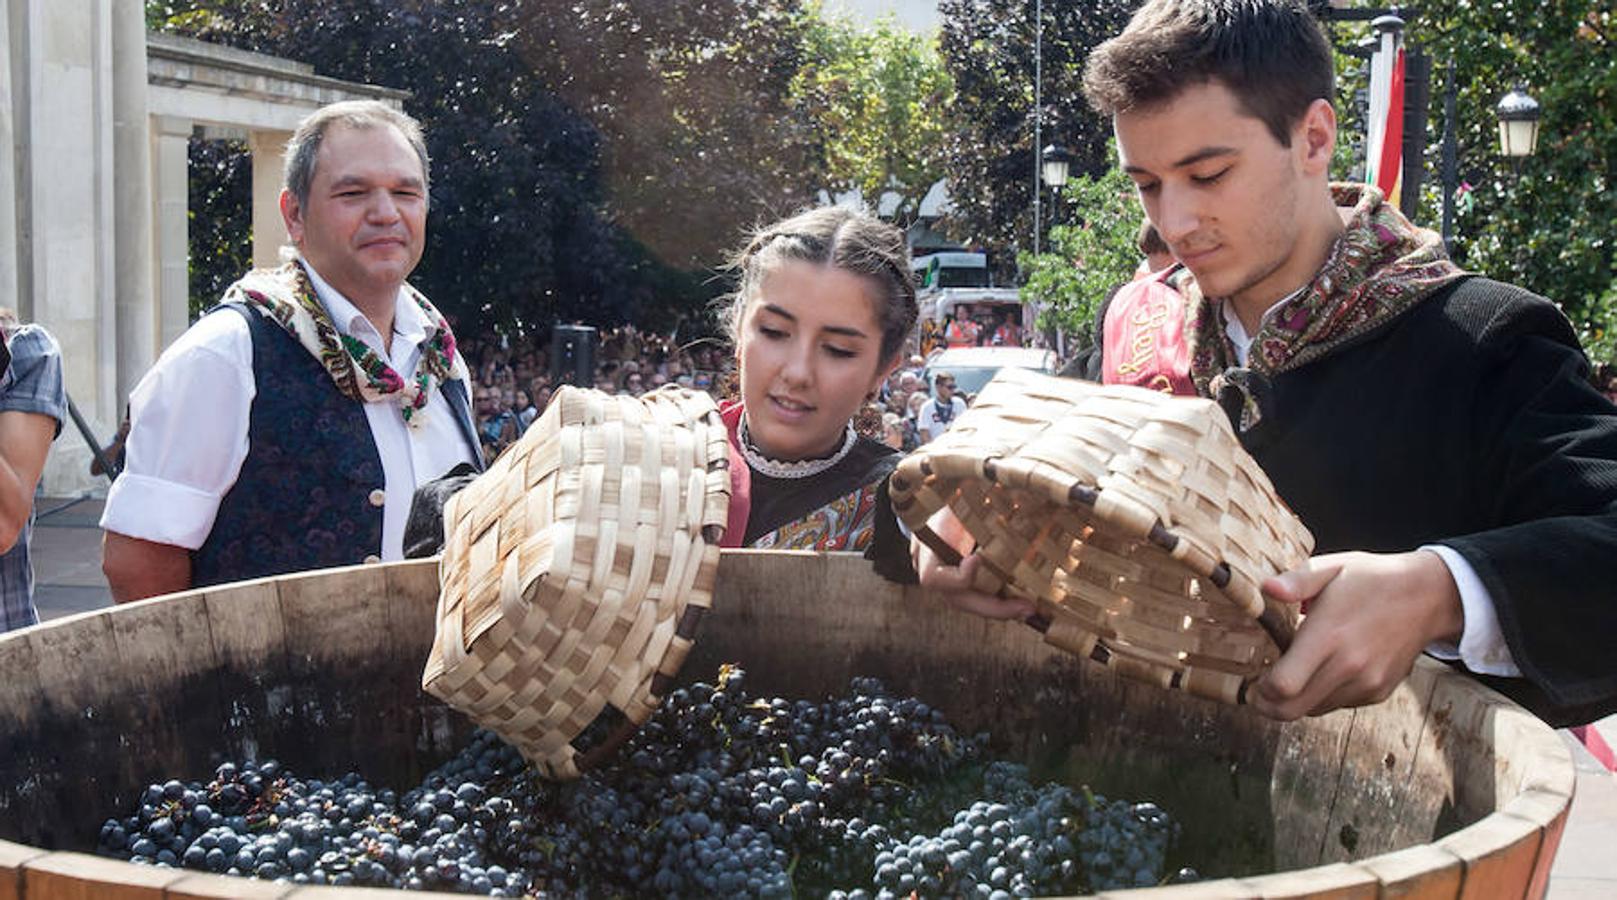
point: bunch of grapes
(260, 820)
(720, 794)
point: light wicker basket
(576, 570)
(1134, 519)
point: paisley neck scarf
(1381, 267)
(287, 297)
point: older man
(289, 428)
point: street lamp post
(1038, 109)
(1451, 154)
(1519, 116)
(1055, 162)
(1518, 124)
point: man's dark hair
(1271, 54)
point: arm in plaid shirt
(32, 407)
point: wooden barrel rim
(1507, 852)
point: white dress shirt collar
(409, 322)
(1237, 332)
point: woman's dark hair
(1270, 53)
(843, 238)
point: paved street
(67, 568)
(67, 558)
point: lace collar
(774, 468)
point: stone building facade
(95, 119)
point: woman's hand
(953, 583)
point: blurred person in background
(937, 414)
(525, 410)
(33, 404)
(496, 426)
(893, 430)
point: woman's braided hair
(840, 237)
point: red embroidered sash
(1144, 337)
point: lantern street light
(1518, 124)
(1055, 163)
(1519, 116)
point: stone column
(134, 308)
(171, 156)
(269, 229)
(8, 171)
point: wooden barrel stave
(1455, 788)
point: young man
(939, 412)
(1432, 428)
(289, 429)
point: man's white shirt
(1482, 647)
(190, 417)
(928, 418)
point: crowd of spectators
(513, 378)
(513, 382)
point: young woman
(819, 320)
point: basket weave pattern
(1134, 519)
(575, 570)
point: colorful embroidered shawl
(287, 297)
(1381, 266)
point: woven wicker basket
(1134, 519)
(576, 570)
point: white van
(973, 367)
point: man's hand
(1368, 616)
(953, 584)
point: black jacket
(1469, 421)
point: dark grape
(862, 796)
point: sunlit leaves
(988, 48)
(1092, 249)
(876, 96)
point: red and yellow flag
(1384, 157)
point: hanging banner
(1384, 143)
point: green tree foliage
(583, 163)
(220, 218)
(691, 102)
(877, 98)
(1089, 255)
(1549, 225)
(987, 46)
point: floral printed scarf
(286, 296)
(1381, 267)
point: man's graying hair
(304, 146)
(842, 238)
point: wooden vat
(1446, 790)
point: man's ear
(1315, 138)
(292, 215)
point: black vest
(305, 496)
